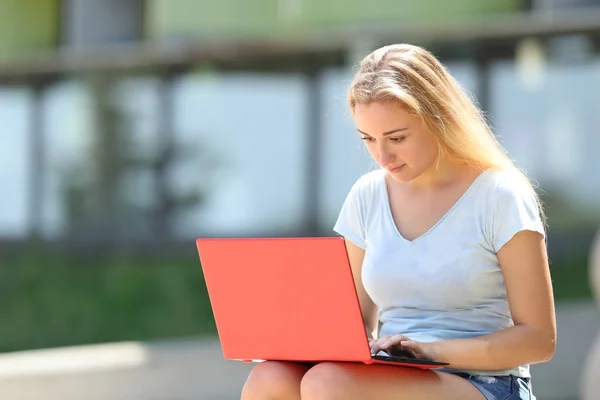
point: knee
(274, 380)
(327, 381)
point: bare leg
(348, 381)
(274, 380)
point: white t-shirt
(447, 283)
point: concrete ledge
(179, 370)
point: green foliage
(59, 302)
(27, 26)
(570, 280)
(186, 19)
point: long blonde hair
(413, 77)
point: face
(397, 140)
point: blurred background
(131, 127)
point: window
(90, 22)
(246, 135)
(15, 166)
(548, 123)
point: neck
(438, 175)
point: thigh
(359, 381)
(274, 380)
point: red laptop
(290, 299)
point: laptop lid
(284, 299)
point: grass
(49, 301)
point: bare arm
(524, 264)
(367, 307)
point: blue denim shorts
(501, 387)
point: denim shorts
(501, 387)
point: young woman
(447, 246)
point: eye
(367, 139)
(398, 139)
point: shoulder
(510, 192)
(513, 206)
(357, 210)
(371, 178)
(507, 185)
(369, 183)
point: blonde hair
(414, 78)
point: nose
(385, 156)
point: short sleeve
(351, 220)
(515, 209)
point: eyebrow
(386, 133)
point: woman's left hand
(398, 344)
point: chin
(402, 176)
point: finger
(411, 347)
(393, 341)
(376, 345)
(401, 337)
(409, 344)
(382, 339)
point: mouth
(396, 169)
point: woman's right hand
(392, 346)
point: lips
(395, 169)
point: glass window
(137, 100)
(75, 126)
(245, 138)
(87, 23)
(548, 120)
(15, 163)
(69, 143)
